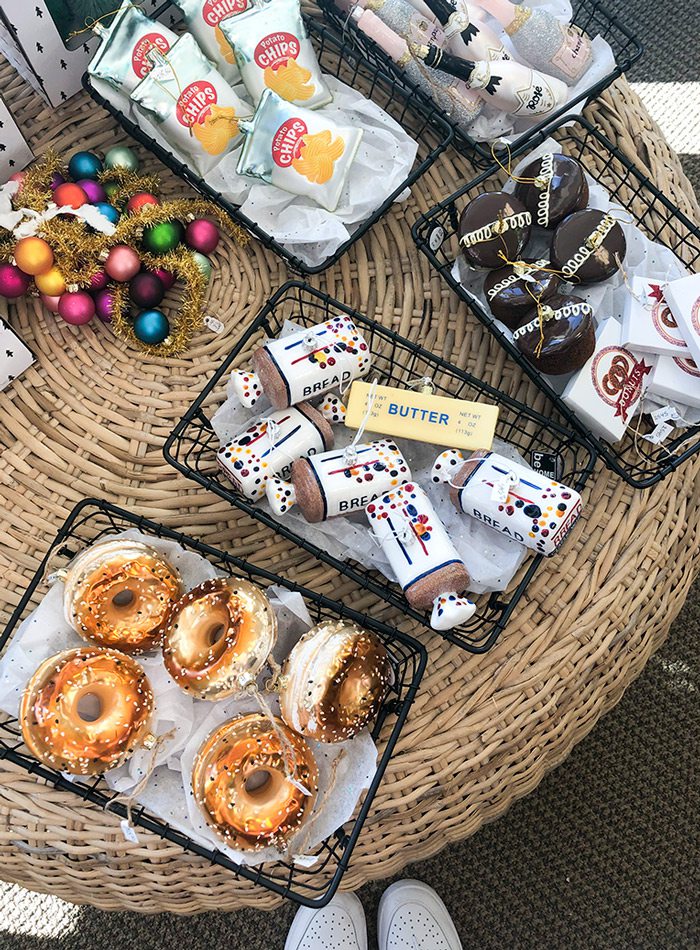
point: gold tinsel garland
(129, 183)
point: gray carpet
(605, 853)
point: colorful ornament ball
(51, 283)
(51, 303)
(19, 177)
(93, 189)
(84, 165)
(163, 237)
(146, 290)
(203, 263)
(109, 211)
(202, 235)
(141, 200)
(151, 327)
(104, 305)
(166, 277)
(122, 263)
(76, 308)
(121, 157)
(56, 180)
(71, 195)
(98, 281)
(13, 282)
(33, 255)
(111, 188)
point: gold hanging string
(509, 169)
(129, 798)
(93, 20)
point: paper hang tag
(502, 486)
(659, 434)
(128, 831)
(665, 414)
(425, 417)
(211, 323)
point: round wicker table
(90, 419)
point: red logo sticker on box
(687, 365)
(214, 11)
(618, 378)
(695, 316)
(287, 142)
(140, 62)
(276, 49)
(662, 318)
(194, 103)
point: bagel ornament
(86, 710)
(118, 593)
(218, 637)
(339, 482)
(536, 511)
(334, 681)
(255, 782)
(426, 563)
(268, 447)
(305, 364)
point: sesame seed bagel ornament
(86, 710)
(255, 782)
(334, 681)
(118, 593)
(218, 637)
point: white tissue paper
(383, 161)
(644, 256)
(491, 558)
(167, 794)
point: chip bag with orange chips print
(203, 19)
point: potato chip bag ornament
(273, 51)
(203, 20)
(192, 104)
(302, 152)
(129, 47)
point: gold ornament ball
(52, 283)
(33, 256)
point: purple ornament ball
(104, 305)
(51, 303)
(202, 235)
(93, 189)
(56, 180)
(76, 308)
(98, 281)
(146, 290)
(166, 277)
(13, 282)
(123, 263)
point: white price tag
(129, 831)
(665, 414)
(501, 488)
(660, 433)
(216, 326)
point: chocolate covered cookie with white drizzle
(559, 337)
(552, 187)
(512, 291)
(588, 246)
(493, 228)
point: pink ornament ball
(13, 282)
(202, 235)
(93, 189)
(98, 281)
(123, 263)
(104, 305)
(18, 176)
(166, 277)
(77, 308)
(51, 303)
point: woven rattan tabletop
(90, 419)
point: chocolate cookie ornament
(512, 291)
(552, 187)
(494, 228)
(588, 246)
(559, 337)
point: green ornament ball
(122, 157)
(203, 263)
(111, 187)
(163, 237)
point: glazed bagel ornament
(218, 637)
(268, 446)
(339, 482)
(118, 594)
(334, 681)
(308, 363)
(255, 782)
(426, 563)
(62, 734)
(536, 511)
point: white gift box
(14, 151)
(683, 297)
(648, 325)
(678, 379)
(15, 357)
(605, 392)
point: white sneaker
(340, 925)
(413, 917)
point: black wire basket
(638, 462)
(413, 110)
(314, 886)
(590, 16)
(192, 447)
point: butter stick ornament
(302, 365)
(339, 482)
(426, 563)
(269, 446)
(424, 416)
(511, 499)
